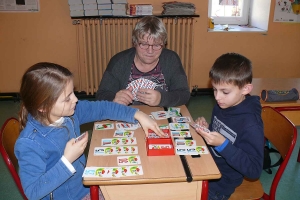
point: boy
(236, 140)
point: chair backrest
(9, 133)
(282, 134)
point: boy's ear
(247, 89)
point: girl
(51, 163)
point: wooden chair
(283, 135)
(8, 135)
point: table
(164, 176)
(290, 109)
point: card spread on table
(123, 133)
(181, 119)
(115, 150)
(185, 143)
(113, 172)
(194, 125)
(179, 126)
(151, 134)
(104, 126)
(118, 141)
(191, 150)
(160, 115)
(126, 126)
(181, 134)
(174, 112)
(128, 160)
(140, 83)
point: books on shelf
(119, 12)
(105, 12)
(77, 13)
(75, 2)
(140, 9)
(91, 13)
(89, 1)
(104, 6)
(92, 6)
(119, 1)
(76, 6)
(103, 1)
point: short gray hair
(150, 25)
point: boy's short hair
(231, 68)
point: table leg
(204, 194)
(94, 191)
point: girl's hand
(201, 121)
(74, 150)
(148, 123)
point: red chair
(283, 136)
(8, 135)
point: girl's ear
(247, 89)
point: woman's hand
(149, 96)
(74, 150)
(148, 123)
(124, 97)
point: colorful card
(174, 112)
(123, 133)
(104, 172)
(115, 150)
(185, 143)
(118, 141)
(160, 115)
(132, 170)
(202, 150)
(128, 160)
(181, 134)
(104, 126)
(194, 125)
(160, 146)
(179, 126)
(181, 119)
(126, 126)
(151, 134)
(140, 83)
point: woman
(146, 73)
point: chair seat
(249, 189)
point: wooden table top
(260, 84)
(157, 169)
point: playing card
(126, 126)
(180, 134)
(128, 160)
(104, 126)
(160, 146)
(179, 126)
(173, 112)
(160, 115)
(115, 150)
(118, 141)
(123, 133)
(132, 170)
(80, 137)
(185, 143)
(181, 119)
(202, 150)
(194, 125)
(140, 83)
(151, 134)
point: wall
(27, 38)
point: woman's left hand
(148, 123)
(149, 96)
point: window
(229, 11)
(239, 15)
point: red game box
(160, 146)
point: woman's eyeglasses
(155, 47)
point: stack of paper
(178, 8)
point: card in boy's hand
(160, 115)
(195, 125)
(104, 126)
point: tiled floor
(288, 188)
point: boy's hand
(74, 150)
(148, 123)
(212, 138)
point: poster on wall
(19, 6)
(287, 11)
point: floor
(198, 106)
